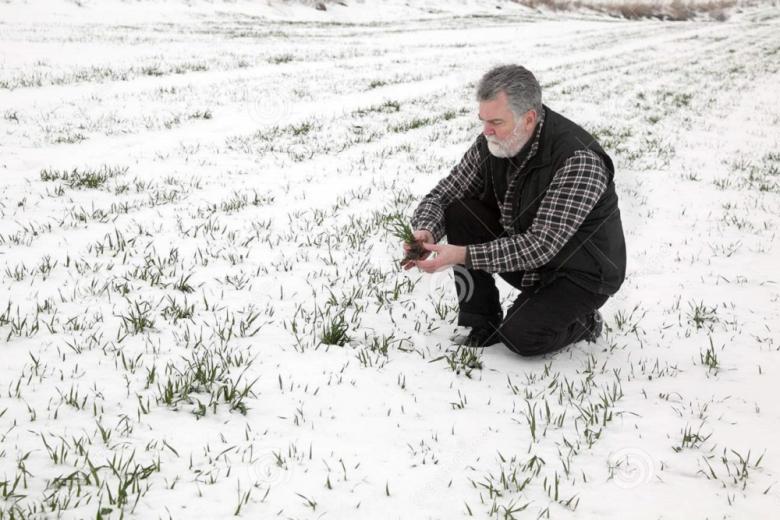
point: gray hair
(522, 89)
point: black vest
(595, 256)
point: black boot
(595, 325)
(484, 335)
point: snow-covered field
(194, 203)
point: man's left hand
(446, 255)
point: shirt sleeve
(464, 180)
(574, 190)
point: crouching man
(532, 200)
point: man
(533, 200)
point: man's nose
(488, 129)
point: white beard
(509, 147)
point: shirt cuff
(478, 257)
(436, 228)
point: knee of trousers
(527, 342)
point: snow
(252, 152)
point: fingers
(423, 235)
(416, 263)
(409, 264)
(428, 266)
(424, 240)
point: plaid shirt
(573, 192)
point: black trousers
(543, 318)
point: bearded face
(509, 146)
(506, 134)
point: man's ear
(530, 119)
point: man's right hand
(420, 235)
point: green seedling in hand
(401, 229)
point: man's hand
(421, 235)
(446, 255)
